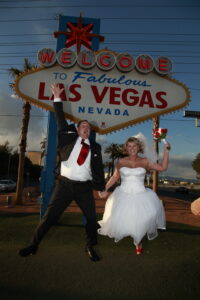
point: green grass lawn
(169, 268)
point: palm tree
(108, 165)
(196, 166)
(25, 122)
(43, 144)
(115, 151)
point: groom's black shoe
(30, 250)
(91, 253)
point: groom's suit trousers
(65, 192)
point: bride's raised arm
(164, 164)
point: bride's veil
(149, 152)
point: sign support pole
(47, 176)
(156, 122)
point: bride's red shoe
(139, 250)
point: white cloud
(181, 166)
(11, 112)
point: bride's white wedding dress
(132, 210)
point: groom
(81, 171)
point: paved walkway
(176, 210)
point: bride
(133, 210)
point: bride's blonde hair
(135, 141)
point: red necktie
(83, 153)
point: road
(170, 191)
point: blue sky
(170, 28)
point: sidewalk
(176, 210)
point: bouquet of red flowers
(160, 134)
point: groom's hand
(103, 194)
(56, 90)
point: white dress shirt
(70, 168)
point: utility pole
(156, 123)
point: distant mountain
(171, 178)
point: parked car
(7, 185)
(182, 190)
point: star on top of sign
(79, 35)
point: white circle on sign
(46, 57)
(105, 61)
(66, 58)
(86, 59)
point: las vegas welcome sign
(110, 90)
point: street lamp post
(193, 114)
